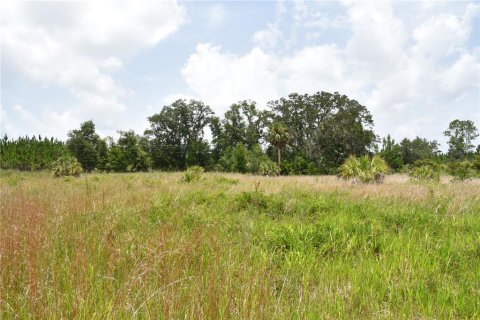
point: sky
(414, 64)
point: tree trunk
(279, 156)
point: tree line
(298, 134)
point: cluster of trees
(408, 153)
(25, 153)
(304, 134)
(127, 154)
(299, 134)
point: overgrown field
(237, 247)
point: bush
(193, 174)
(461, 170)
(67, 166)
(268, 168)
(476, 164)
(425, 173)
(364, 169)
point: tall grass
(146, 245)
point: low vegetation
(364, 169)
(231, 246)
(425, 170)
(193, 174)
(67, 166)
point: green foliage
(476, 163)
(278, 136)
(425, 171)
(307, 134)
(27, 153)
(128, 154)
(67, 166)
(462, 170)
(242, 123)
(364, 169)
(235, 159)
(240, 159)
(462, 133)
(299, 166)
(176, 135)
(418, 149)
(193, 174)
(268, 168)
(392, 153)
(87, 146)
(259, 202)
(324, 127)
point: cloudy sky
(414, 64)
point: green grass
(236, 247)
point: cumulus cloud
(219, 78)
(462, 75)
(76, 45)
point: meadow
(231, 246)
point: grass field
(146, 245)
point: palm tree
(279, 137)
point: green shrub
(67, 166)
(476, 164)
(364, 169)
(268, 168)
(193, 174)
(461, 170)
(425, 173)
(428, 162)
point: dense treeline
(32, 153)
(299, 134)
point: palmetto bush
(364, 169)
(268, 168)
(67, 166)
(193, 173)
(425, 173)
(425, 170)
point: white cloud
(222, 78)
(76, 45)
(111, 64)
(441, 36)
(378, 38)
(271, 36)
(315, 68)
(462, 75)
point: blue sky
(414, 64)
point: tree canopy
(461, 134)
(303, 134)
